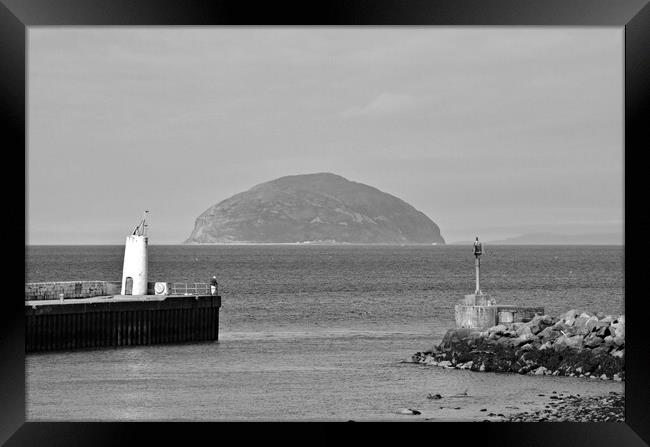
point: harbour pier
(70, 323)
(97, 314)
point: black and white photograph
(286, 223)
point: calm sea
(316, 332)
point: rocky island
(319, 207)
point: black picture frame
(632, 15)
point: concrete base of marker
(475, 317)
(480, 299)
(479, 311)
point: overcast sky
(488, 131)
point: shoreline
(576, 408)
(584, 348)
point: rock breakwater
(576, 343)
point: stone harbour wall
(575, 344)
(70, 289)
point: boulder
(593, 341)
(594, 325)
(575, 342)
(522, 339)
(497, 329)
(579, 322)
(618, 328)
(456, 336)
(585, 326)
(539, 322)
(600, 350)
(560, 342)
(569, 317)
(619, 341)
(563, 341)
(548, 320)
(603, 331)
(505, 342)
(408, 411)
(540, 371)
(561, 326)
(524, 330)
(549, 334)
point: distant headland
(548, 238)
(314, 208)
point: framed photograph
(347, 211)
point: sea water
(317, 332)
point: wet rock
(619, 354)
(604, 408)
(593, 324)
(540, 371)
(561, 327)
(408, 411)
(523, 330)
(618, 328)
(569, 317)
(593, 341)
(545, 345)
(523, 339)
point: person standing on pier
(213, 285)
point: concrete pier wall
(96, 323)
(70, 289)
(516, 314)
(78, 289)
(485, 316)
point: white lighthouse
(134, 272)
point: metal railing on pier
(197, 288)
